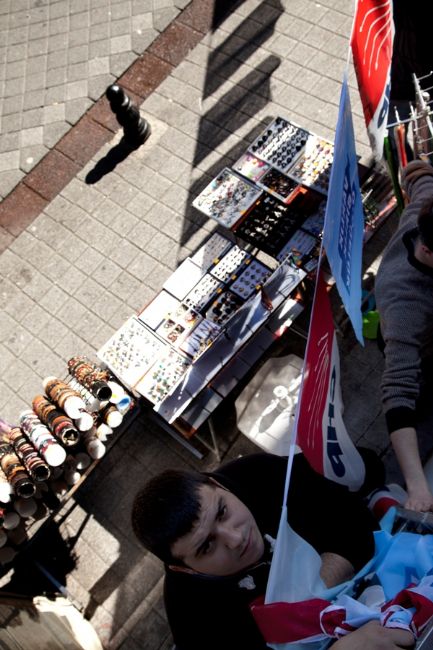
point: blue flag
(344, 219)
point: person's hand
(419, 498)
(372, 636)
(420, 502)
(405, 444)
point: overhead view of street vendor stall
(216, 249)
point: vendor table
(215, 319)
(218, 314)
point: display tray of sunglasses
(269, 225)
(280, 143)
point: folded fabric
(399, 595)
(317, 619)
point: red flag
(372, 39)
(321, 433)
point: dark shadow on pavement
(106, 165)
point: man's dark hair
(165, 510)
(425, 223)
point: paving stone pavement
(83, 250)
(56, 59)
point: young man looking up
(214, 534)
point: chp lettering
(333, 448)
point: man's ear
(427, 253)
(181, 569)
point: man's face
(224, 540)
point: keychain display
(200, 338)
(301, 249)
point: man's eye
(222, 512)
(206, 548)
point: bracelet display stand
(33, 444)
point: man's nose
(233, 537)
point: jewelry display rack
(39, 445)
(221, 310)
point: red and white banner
(321, 432)
(318, 619)
(372, 41)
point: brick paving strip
(98, 125)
